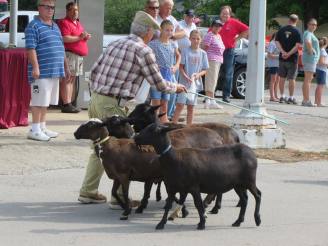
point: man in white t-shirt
(165, 10)
(187, 24)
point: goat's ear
(124, 120)
(161, 115)
(154, 108)
(165, 128)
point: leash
(239, 107)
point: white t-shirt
(325, 55)
(185, 42)
(171, 18)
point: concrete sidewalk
(40, 183)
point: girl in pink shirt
(214, 47)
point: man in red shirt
(232, 30)
(75, 42)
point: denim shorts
(186, 99)
(321, 77)
(158, 95)
(273, 70)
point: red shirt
(230, 30)
(69, 28)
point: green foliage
(119, 15)
(27, 4)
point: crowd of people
(283, 61)
(170, 55)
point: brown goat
(123, 161)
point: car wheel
(239, 83)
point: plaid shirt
(122, 67)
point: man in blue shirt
(46, 55)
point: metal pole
(13, 23)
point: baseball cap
(217, 22)
(144, 19)
(190, 12)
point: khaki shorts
(75, 63)
(287, 70)
(212, 75)
(45, 92)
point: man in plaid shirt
(116, 78)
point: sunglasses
(47, 7)
(153, 8)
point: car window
(21, 23)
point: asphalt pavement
(40, 184)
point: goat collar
(166, 150)
(101, 141)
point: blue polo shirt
(48, 44)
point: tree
(27, 4)
(119, 15)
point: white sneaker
(39, 136)
(215, 105)
(50, 134)
(207, 104)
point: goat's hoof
(160, 226)
(124, 217)
(237, 223)
(201, 226)
(258, 221)
(139, 210)
(184, 213)
(214, 210)
(170, 218)
(158, 198)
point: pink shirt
(69, 28)
(215, 47)
(230, 30)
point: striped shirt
(48, 44)
(215, 47)
(121, 68)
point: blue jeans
(228, 66)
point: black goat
(144, 114)
(213, 171)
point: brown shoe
(69, 108)
(95, 198)
(181, 119)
